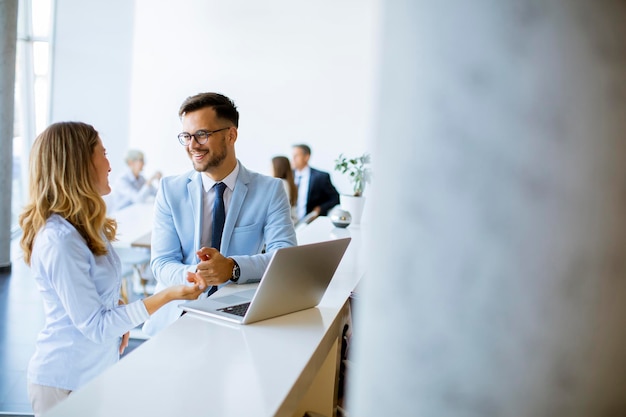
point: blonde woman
(67, 243)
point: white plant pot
(354, 205)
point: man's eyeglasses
(201, 136)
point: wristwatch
(236, 271)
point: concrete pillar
(501, 149)
(8, 39)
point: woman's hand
(124, 343)
(177, 292)
(187, 292)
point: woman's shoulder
(57, 231)
(56, 240)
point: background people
(132, 187)
(67, 243)
(281, 168)
(316, 192)
(186, 240)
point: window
(32, 91)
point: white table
(134, 223)
(204, 367)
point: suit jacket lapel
(236, 202)
(194, 187)
(312, 179)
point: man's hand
(213, 269)
(155, 178)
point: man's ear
(232, 135)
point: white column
(8, 39)
(497, 281)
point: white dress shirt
(208, 198)
(302, 180)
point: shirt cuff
(137, 312)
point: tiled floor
(21, 318)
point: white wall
(299, 72)
(91, 69)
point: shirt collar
(229, 180)
(306, 171)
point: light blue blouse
(84, 322)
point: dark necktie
(219, 216)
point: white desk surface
(204, 367)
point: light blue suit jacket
(259, 215)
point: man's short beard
(215, 160)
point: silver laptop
(296, 278)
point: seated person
(132, 187)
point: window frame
(32, 97)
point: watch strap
(236, 271)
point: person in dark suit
(316, 192)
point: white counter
(203, 367)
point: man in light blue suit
(257, 211)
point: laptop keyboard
(237, 310)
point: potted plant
(359, 174)
(358, 170)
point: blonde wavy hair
(61, 181)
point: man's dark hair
(224, 107)
(305, 148)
